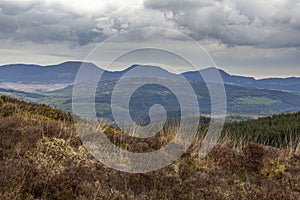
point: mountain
(140, 71)
(287, 84)
(245, 95)
(61, 73)
(66, 73)
(242, 101)
(227, 78)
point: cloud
(81, 23)
(267, 24)
(236, 22)
(42, 22)
(13, 7)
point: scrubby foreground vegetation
(41, 157)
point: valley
(246, 96)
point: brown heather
(42, 158)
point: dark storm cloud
(55, 21)
(38, 22)
(236, 22)
(16, 7)
(268, 24)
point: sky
(259, 38)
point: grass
(41, 157)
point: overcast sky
(259, 38)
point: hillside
(286, 84)
(246, 96)
(240, 100)
(65, 73)
(50, 74)
(41, 157)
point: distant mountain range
(286, 84)
(61, 73)
(246, 96)
(66, 73)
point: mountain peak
(67, 71)
(141, 71)
(145, 67)
(73, 64)
(211, 69)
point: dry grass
(41, 157)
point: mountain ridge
(66, 73)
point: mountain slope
(61, 73)
(66, 73)
(240, 100)
(243, 94)
(288, 84)
(41, 157)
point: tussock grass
(41, 157)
